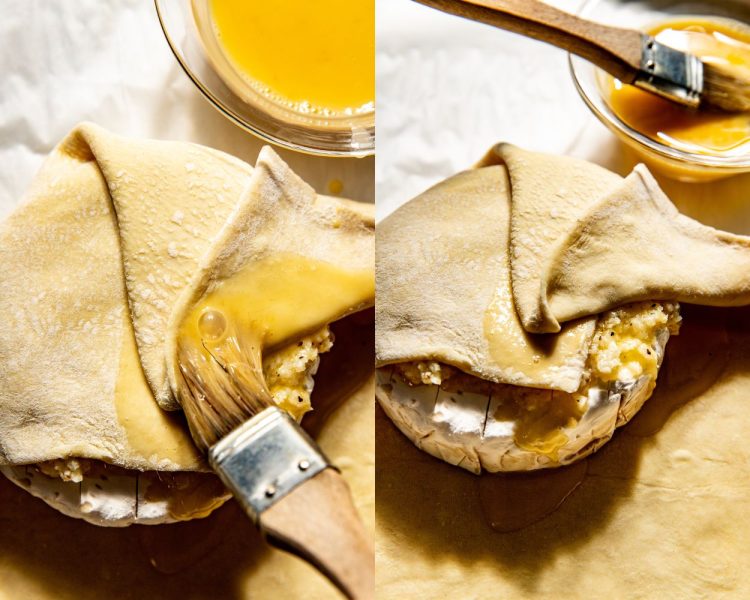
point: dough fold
(583, 240)
(170, 200)
(444, 290)
(280, 214)
(635, 245)
(549, 194)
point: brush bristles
(726, 88)
(220, 389)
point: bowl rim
(243, 123)
(611, 120)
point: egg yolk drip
(278, 310)
(721, 42)
(541, 417)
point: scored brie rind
(112, 497)
(110, 234)
(467, 423)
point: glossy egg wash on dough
(278, 299)
(716, 41)
(311, 56)
(268, 308)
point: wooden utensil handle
(318, 522)
(617, 51)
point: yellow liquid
(151, 432)
(280, 299)
(715, 133)
(266, 307)
(315, 56)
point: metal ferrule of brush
(266, 458)
(670, 73)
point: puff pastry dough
(113, 235)
(444, 291)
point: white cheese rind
(460, 428)
(115, 500)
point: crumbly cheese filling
(67, 469)
(623, 348)
(425, 372)
(289, 371)
(623, 345)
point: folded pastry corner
(635, 245)
(549, 195)
(583, 240)
(281, 239)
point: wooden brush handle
(617, 51)
(318, 522)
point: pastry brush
(275, 470)
(631, 56)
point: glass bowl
(345, 135)
(641, 14)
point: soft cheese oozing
(67, 469)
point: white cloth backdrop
(62, 62)
(448, 89)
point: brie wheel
(479, 425)
(115, 497)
